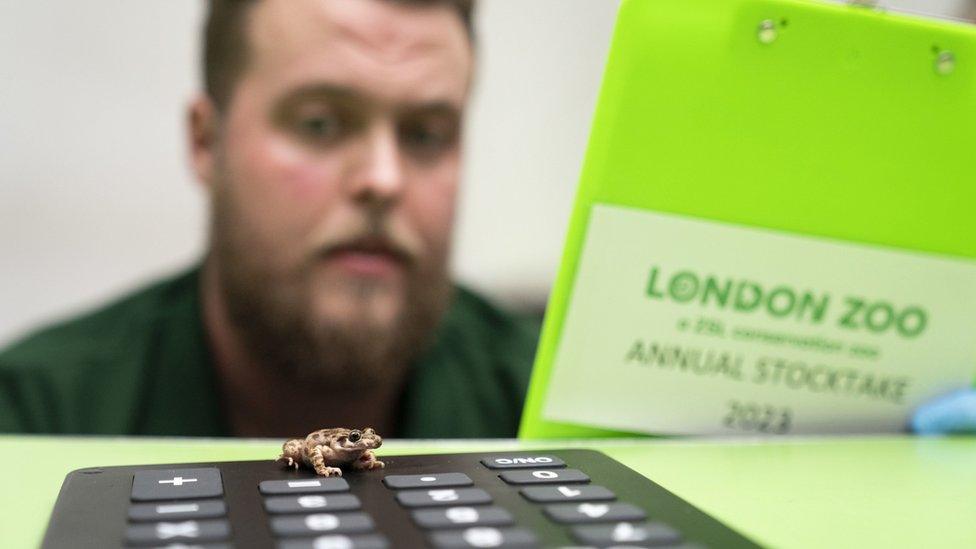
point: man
(328, 146)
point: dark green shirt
(141, 366)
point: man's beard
(273, 312)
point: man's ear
(202, 134)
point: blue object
(951, 413)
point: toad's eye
(355, 436)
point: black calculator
(553, 498)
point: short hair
(225, 41)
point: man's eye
(319, 128)
(426, 140)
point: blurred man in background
(328, 144)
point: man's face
(335, 178)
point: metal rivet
(767, 31)
(945, 63)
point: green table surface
(804, 492)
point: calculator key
(426, 481)
(194, 546)
(522, 462)
(443, 497)
(553, 494)
(625, 532)
(485, 537)
(344, 523)
(164, 484)
(177, 510)
(544, 476)
(455, 517)
(311, 503)
(580, 513)
(171, 532)
(337, 542)
(303, 486)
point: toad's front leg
(367, 461)
(318, 462)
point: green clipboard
(827, 120)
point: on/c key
(522, 462)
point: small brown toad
(325, 449)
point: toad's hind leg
(291, 452)
(318, 461)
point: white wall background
(96, 197)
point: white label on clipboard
(684, 326)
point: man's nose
(379, 180)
